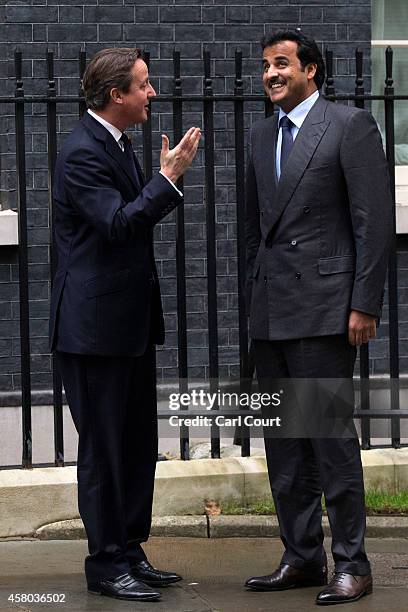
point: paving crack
(208, 526)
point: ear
(311, 71)
(116, 95)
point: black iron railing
(208, 101)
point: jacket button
(265, 280)
(298, 275)
(294, 242)
(306, 209)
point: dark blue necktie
(128, 150)
(287, 140)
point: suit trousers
(302, 468)
(114, 409)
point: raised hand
(174, 162)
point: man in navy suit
(106, 316)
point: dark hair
(107, 69)
(308, 52)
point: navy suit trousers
(113, 405)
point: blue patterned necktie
(287, 140)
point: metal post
(329, 89)
(211, 245)
(245, 375)
(81, 66)
(180, 259)
(52, 154)
(147, 135)
(359, 88)
(392, 265)
(27, 458)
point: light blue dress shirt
(297, 115)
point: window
(390, 19)
(389, 28)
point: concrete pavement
(214, 571)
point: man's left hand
(362, 327)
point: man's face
(135, 103)
(285, 81)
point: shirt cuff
(171, 183)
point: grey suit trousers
(301, 469)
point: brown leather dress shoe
(287, 577)
(343, 588)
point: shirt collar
(298, 114)
(116, 133)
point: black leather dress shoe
(153, 577)
(124, 587)
(343, 588)
(287, 577)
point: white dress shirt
(297, 115)
(116, 133)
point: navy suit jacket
(105, 297)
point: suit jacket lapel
(139, 170)
(309, 136)
(268, 148)
(112, 148)
(266, 153)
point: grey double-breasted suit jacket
(317, 239)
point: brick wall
(159, 26)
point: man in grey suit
(318, 230)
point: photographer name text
(222, 421)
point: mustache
(275, 81)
